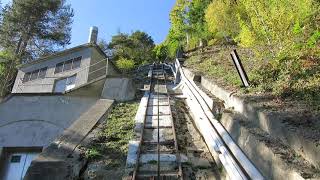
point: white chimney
(93, 36)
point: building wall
(35, 121)
(46, 85)
(98, 65)
(111, 69)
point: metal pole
(242, 73)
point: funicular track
(158, 155)
(154, 154)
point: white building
(49, 95)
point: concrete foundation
(35, 121)
(63, 159)
(119, 89)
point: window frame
(29, 74)
(66, 84)
(73, 60)
(55, 69)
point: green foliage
(188, 26)
(161, 52)
(92, 153)
(31, 28)
(8, 64)
(222, 20)
(283, 35)
(111, 144)
(246, 37)
(173, 47)
(138, 46)
(178, 28)
(125, 65)
(196, 20)
(314, 39)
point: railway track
(155, 154)
(158, 154)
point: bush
(125, 65)
(161, 52)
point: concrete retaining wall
(274, 159)
(119, 89)
(63, 159)
(28, 121)
(270, 122)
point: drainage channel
(154, 154)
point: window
(37, 74)
(26, 77)
(34, 75)
(15, 159)
(68, 65)
(76, 63)
(42, 73)
(65, 84)
(59, 68)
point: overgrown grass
(112, 143)
(288, 77)
(219, 65)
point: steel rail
(174, 133)
(155, 86)
(136, 168)
(158, 128)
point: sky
(112, 16)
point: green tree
(178, 21)
(7, 71)
(188, 26)
(138, 47)
(221, 19)
(143, 47)
(197, 26)
(32, 28)
(178, 31)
